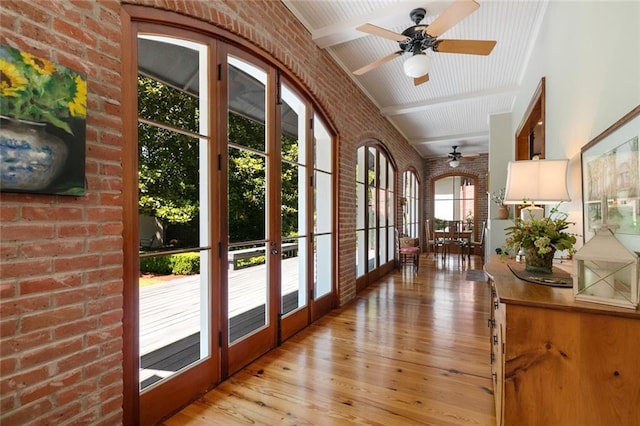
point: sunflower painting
(43, 109)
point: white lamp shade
(454, 163)
(537, 182)
(417, 65)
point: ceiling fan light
(454, 163)
(417, 65)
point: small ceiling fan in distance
(418, 38)
(455, 156)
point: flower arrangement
(544, 235)
(35, 89)
(498, 197)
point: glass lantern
(605, 271)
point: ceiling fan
(416, 39)
(455, 156)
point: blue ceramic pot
(30, 158)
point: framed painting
(611, 181)
(43, 108)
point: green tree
(168, 168)
(168, 161)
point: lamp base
(531, 212)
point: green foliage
(168, 172)
(256, 260)
(247, 184)
(160, 265)
(544, 234)
(185, 263)
(439, 223)
(38, 90)
(177, 264)
(168, 177)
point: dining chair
(430, 241)
(480, 243)
(454, 238)
(408, 250)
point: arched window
(232, 171)
(375, 218)
(410, 204)
(454, 199)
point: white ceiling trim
(448, 138)
(449, 100)
(534, 36)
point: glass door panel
(294, 212)
(174, 295)
(375, 223)
(361, 203)
(323, 244)
(248, 248)
(323, 265)
(173, 215)
(251, 245)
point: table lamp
(536, 182)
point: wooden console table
(557, 361)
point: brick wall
(61, 274)
(61, 270)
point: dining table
(447, 237)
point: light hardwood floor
(411, 349)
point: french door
(276, 230)
(235, 217)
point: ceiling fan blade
(470, 47)
(451, 16)
(377, 63)
(381, 32)
(419, 80)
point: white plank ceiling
(453, 107)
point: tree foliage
(168, 168)
(168, 161)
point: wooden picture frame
(611, 176)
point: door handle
(274, 251)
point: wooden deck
(170, 316)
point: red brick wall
(61, 274)
(61, 270)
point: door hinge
(219, 72)
(219, 162)
(220, 338)
(279, 330)
(220, 249)
(279, 89)
(311, 181)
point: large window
(234, 216)
(173, 175)
(375, 209)
(410, 204)
(454, 199)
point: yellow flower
(11, 79)
(78, 107)
(39, 64)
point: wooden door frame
(535, 114)
(131, 16)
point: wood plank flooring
(411, 349)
